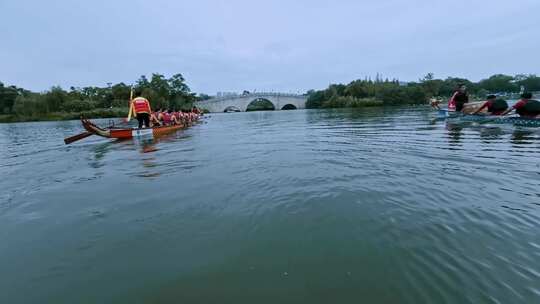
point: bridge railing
(254, 95)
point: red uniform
(457, 101)
(520, 104)
(166, 118)
(489, 104)
(528, 108)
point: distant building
(226, 94)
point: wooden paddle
(131, 112)
(74, 138)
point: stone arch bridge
(280, 101)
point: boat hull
(516, 121)
(129, 133)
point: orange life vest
(141, 105)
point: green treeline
(17, 104)
(367, 92)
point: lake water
(365, 206)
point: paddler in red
(494, 106)
(526, 107)
(174, 120)
(185, 117)
(178, 116)
(165, 117)
(154, 119)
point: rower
(459, 99)
(165, 117)
(159, 114)
(185, 117)
(494, 105)
(174, 120)
(142, 110)
(434, 103)
(178, 115)
(526, 107)
(154, 119)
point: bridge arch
(232, 109)
(289, 106)
(260, 104)
(280, 101)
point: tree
(181, 95)
(121, 92)
(356, 89)
(315, 99)
(155, 99)
(450, 84)
(55, 98)
(203, 96)
(530, 82)
(178, 86)
(160, 85)
(7, 97)
(499, 83)
(431, 85)
(143, 83)
(75, 94)
(30, 105)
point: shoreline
(121, 112)
(63, 116)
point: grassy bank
(54, 116)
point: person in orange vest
(142, 110)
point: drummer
(141, 109)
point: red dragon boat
(127, 133)
(123, 133)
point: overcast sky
(289, 46)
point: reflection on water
(379, 205)
(454, 134)
(100, 151)
(521, 137)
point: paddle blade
(130, 113)
(74, 138)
